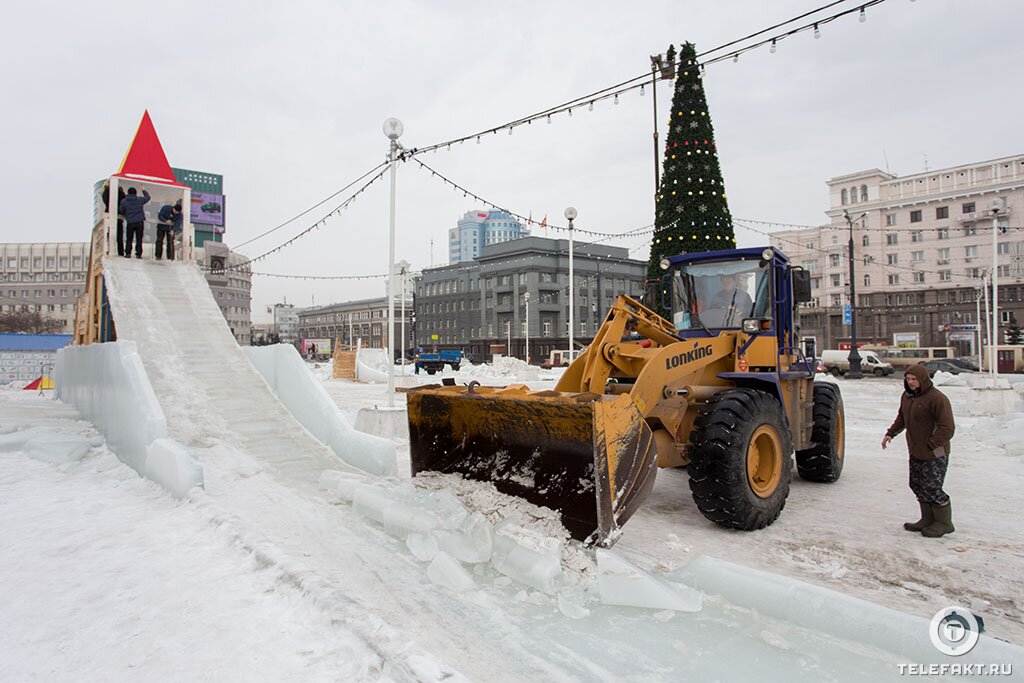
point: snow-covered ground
(109, 578)
(848, 535)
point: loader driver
(735, 302)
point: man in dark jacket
(135, 216)
(928, 418)
(170, 222)
(120, 216)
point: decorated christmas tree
(692, 212)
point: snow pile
(946, 379)
(502, 367)
(307, 400)
(109, 386)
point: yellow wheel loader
(722, 388)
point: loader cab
(753, 290)
(713, 295)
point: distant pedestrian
(135, 215)
(120, 215)
(928, 418)
(170, 223)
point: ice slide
(207, 387)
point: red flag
(544, 223)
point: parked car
(944, 365)
(964, 363)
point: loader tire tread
(823, 461)
(718, 459)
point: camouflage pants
(926, 477)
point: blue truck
(433, 362)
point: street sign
(847, 315)
(434, 337)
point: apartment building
(43, 277)
(47, 278)
(365, 320)
(922, 244)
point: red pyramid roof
(145, 159)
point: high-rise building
(477, 229)
(922, 244)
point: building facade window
(967, 208)
(942, 233)
(890, 219)
(915, 216)
(917, 236)
(894, 279)
(892, 238)
(942, 212)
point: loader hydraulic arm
(610, 351)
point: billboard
(906, 340)
(208, 209)
(316, 347)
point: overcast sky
(286, 100)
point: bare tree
(29, 322)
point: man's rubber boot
(926, 518)
(943, 523)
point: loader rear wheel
(740, 459)
(823, 461)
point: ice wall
(831, 612)
(307, 400)
(108, 385)
(372, 365)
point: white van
(838, 363)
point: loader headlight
(767, 254)
(665, 264)
(751, 325)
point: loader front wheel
(823, 461)
(740, 459)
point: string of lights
(888, 266)
(640, 82)
(981, 225)
(529, 221)
(381, 170)
(315, 206)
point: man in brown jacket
(928, 418)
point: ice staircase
(208, 389)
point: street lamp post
(997, 206)
(988, 319)
(570, 215)
(393, 130)
(854, 356)
(403, 267)
(659, 67)
(977, 321)
(526, 299)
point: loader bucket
(591, 458)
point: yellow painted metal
(590, 447)
(764, 461)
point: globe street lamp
(854, 356)
(570, 215)
(393, 129)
